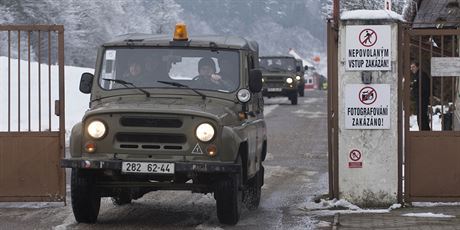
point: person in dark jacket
(420, 94)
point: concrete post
(368, 108)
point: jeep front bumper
(180, 167)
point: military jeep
(279, 77)
(156, 123)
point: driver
(208, 77)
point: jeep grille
(151, 122)
(151, 138)
(274, 80)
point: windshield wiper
(183, 86)
(126, 83)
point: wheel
(229, 199)
(294, 99)
(253, 190)
(86, 201)
(122, 198)
(301, 91)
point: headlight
(289, 80)
(244, 95)
(204, 132)
(96, 129)
(297, 78)
(263, 80)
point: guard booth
(32, 132)
(414, 155)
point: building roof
(210, 41)
(437, 14)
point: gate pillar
(368, 100)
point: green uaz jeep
(170, 114)
(279, 77)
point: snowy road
(296, 171)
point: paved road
(296, 171)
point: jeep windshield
(199, 69)
(277, 63)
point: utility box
(368, 130)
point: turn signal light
(242, 116)
(180, 33)
(90, 147)
(212, 150)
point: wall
(376, 183)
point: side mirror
(86, 83)
(297, 68)
(306, 67)
(255, 80)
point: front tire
(301, 91)
(253, 190)
(229, 200)
(293, 98)
(86, 200)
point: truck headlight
(96, 129)
(297, 78)
(289, 80)
(204, 132)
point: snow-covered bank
(41, 94)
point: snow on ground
(428, 214)
(269, 108)
(31, 205)
(331, 207)
(206, 227)
(434, 204)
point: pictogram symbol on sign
(367, 95)
(197, 149)
(367, 37)
(355, 155)
(355, 159)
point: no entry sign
(367, 106)
(368, 47)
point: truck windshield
(196, 68)
(277, 63)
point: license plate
(147, 167)
(274, 89)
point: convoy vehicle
(279, 77)
(155, 122)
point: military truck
(300, 69)
(279, 77)
(157, 122)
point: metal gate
(32, 132)
(431, 103)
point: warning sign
(197, 149)
(367, 106)
(355, 160)
(368, 47)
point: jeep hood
(213, 108)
